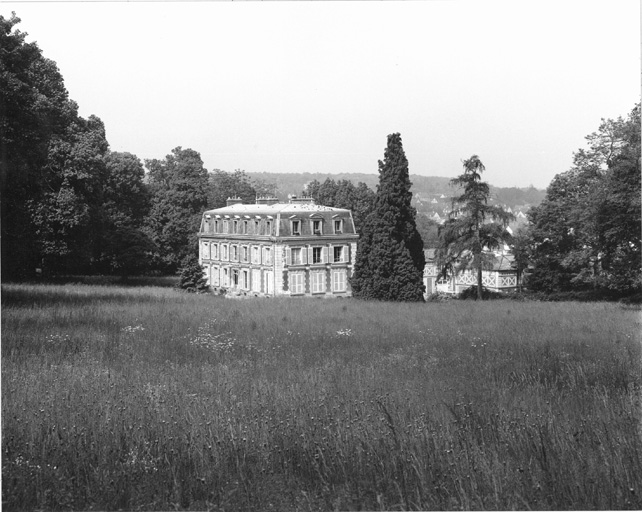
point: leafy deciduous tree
(586, 233)
(178, 185)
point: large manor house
(300, 248)
(272, 248)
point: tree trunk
(479, 279)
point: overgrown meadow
(148, 398)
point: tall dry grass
(132, 398)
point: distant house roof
(504, 262)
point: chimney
(234, 200)
(267, 200)
(301, 200)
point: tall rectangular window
(296, 256)
(244, 227)
(244, 253)
(338, 254)
(296, 227)
(214, 251)
(316, 227)
(317, 255)
(235, 253)
(317, 282)
(256, 255)
(267, 256)
(338, 226)
(339, 281)
(235, 226)
(205, 250)
(296, 283)
(256, 280)
(224, 252)
(268, 227)
(246, 280)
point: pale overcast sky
(317, 87)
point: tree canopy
(178, 187)
(586, 232)
(390, 258)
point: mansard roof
(273, 209)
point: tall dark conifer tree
(390, 258)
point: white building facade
(278, 249)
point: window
(235, 277)
(235, 226)
(339, 281)
(256, 255)
(215, 226)
(244, 253)
(316, 227)
(338, 226)
(226, 277)
(268, 227)
(296, 227)
(214, 272)
(296, 256)
(224, 252)
(244, 227)
(257, 225)
(214, 251)
(226, 226)
(338, 254)
(205, 250)
(256, 280)
(267, 256)
(296, 283)
(317, 282)
(317, 255)
(245, 280)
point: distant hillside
(427, 190)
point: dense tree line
(69, 203)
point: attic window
(296, 227)
(338, 226)
(316, 227)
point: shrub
(471, 293)
(192, 278)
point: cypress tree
(390, 258)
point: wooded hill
(424, 187)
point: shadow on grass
(85, 290)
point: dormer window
(296, 227)
(316, 227)
(338, 226)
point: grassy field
(146, 398)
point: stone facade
(278, 249)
